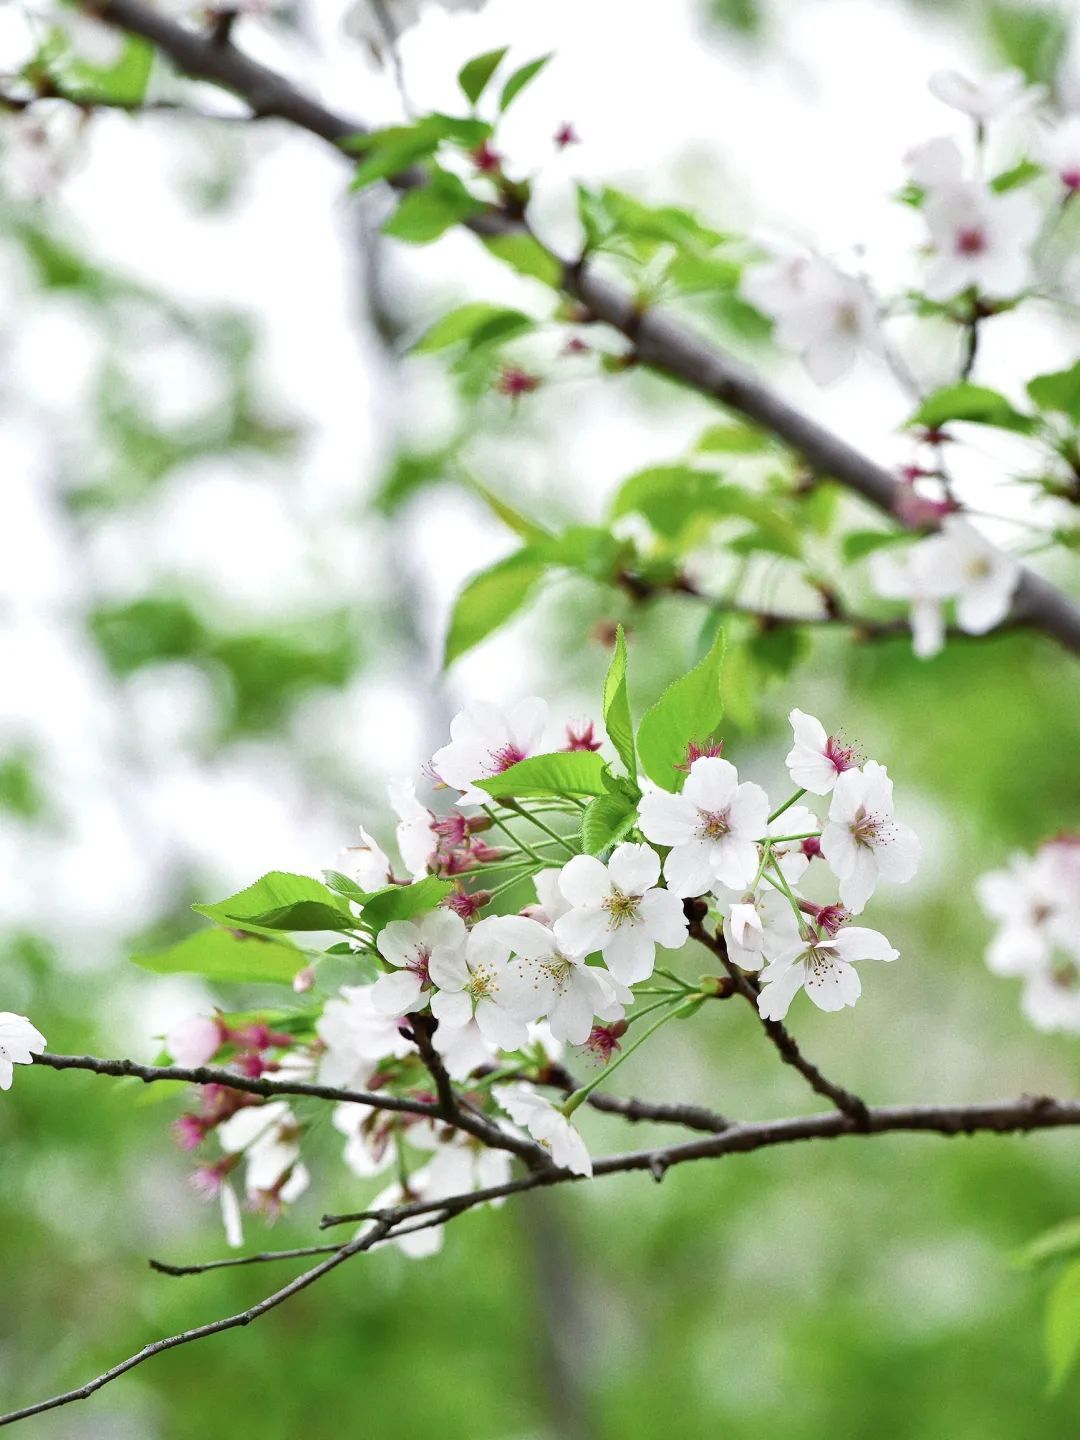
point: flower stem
(521, 844)
(786, 805)
(514, 880)
(542, 825)
(783, 839)
(580, 1096)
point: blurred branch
(660, 341)
(691, 1117)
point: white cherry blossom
(861, 841)
(713, 826)
(984, 576)
(268, 1137)
(416, 840)
(1059, 150)
(463, 1049)
(759, 927)
(195, 1041)
(823, 968)
(410, 946)
(357, 1035)
(822, 314)
(982, 100)
(487, 739)
(980, 240)
(1050, 999)
(561, 986)
(920, 575)
(546, 1124)
(471, 985)
(935, 163)
(616, 909)
(367, 863)
(19, 1043)
(816, 759)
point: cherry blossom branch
(786, 1045)
(381, 1229)
(661, 341)
(476, 1125)
(691, 1117)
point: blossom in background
(487, 739)
(823, 968)
(935, 163)
(379, 25)
(982, 100)
(369, 1138)
(822, 314)
(470, 983)
(357, 1035)
(958, 563)
(19, 1043)
(713, 826)
(231, 1219)
(195, 1041)
(543, 978)
(268, 1138)
(861, 841)
(416, 837)
(616, 909)
(979, 240)
(1036, 902)
(90, 39)
(39, 147)
(547, 1124)
(1059, 150)
(410, 946)
(816, 759)
(463, 1049)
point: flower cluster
(19, 1043)
(493, 994)
(1036, 904)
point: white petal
(832, 984)
(397, 994)
(630, 954)
(688, 869)
(634, 868)
(584, 881)
(667, 819)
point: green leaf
(463, 325)
(679, 500)
(343, 885)
(569, 772)
(490, 598)
(527, 256)
(431, 209)
(606, 820)
(227, 958)
(402, 902)
(1031, 36)
(618, 721)
(857, 544)
(519, 79)
(975, 404)
(280, 901)
(1059, 391)
(1018, 175)
(1053, 1244)
(473, 77)
(689, 709)
(734, 440)
(397, 148)
(1062, 1332)
(522, 526)
(121, 84)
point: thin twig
(786, 1045)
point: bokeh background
(235, 514)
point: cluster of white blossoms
(501, 998)
(1036, 903)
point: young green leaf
(689, 709)
(1053, 1244)
(1059, 391)
(519, 79)
(227, 958)
(403, 902)
(461, 326)
(606, 820)
(474, 75)
(569, 772)
(1062, 1332)
(618, 721)
(430, 210)
(490, 599)
(280, 901)
(975, 404)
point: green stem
(542, 825)
(656, 1005)
(514, 880)
(786, 805)
(780, 883)
(580, 1096)
(521, 844)
(670, 975)
(783, 839)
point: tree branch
(691, 1117)
(661, 341)
(781, 1037)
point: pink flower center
(418, 965)
(713, 826)
(841, 757)
(504, 757)
(1071, 179)
(867, 829)
(971, 241)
